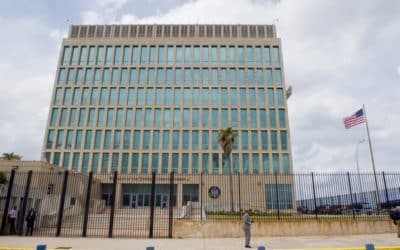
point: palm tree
(226, 139)
(10, 156)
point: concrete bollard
(370, 247)
(261, 248)
(41, 247)
(150, 248)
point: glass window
(179, 55)
(195, 163)
(243, 118)
(110, 118)
(60, 139)
(74, 56)
(245, 163)
(252, 96)
(138, 118)
(259, 77)
(66, 157)
(61, 76)
(168, 79)
(177, 96)
(258, 55)
(205, 76)
(234, 119)
(161, 55)
(106, 76)
(214, 138)
(232, 56)
(261, 97)
(150, 76)
(65, 56)
(196, 55)
(146, 139)
(68, 139)
(140, 97)
(95, 162)
(265, 163)
(253, 118)
(267, 56)
(274, 140)
(79, 76)
(205, 164)
(97, 78)
(214, 55)
(104, 163)
(188, 55)
(187, 75)
(249, 55)
(82, 117)
(177, 118)
(71, 76)
(205, 118)
(214, 76)
(131, 95)
(195, 140)
(134, 57)
(85, 162)
(152, 55)
(178, 76)
(195, 118)
(275, 55)
(215, 163)
(83, 56)
(204, 54)
(147, 117)
(97, 139)
(72, 117)
(156, 139)
(127, 139)
(272, 118)
(124, 163)
(275, 163)
(149, 96)
(233, 97)
(283, 140)
(263, 118)
(167, 118)
(50, 139)
(88, 76)
(185, 140)
(157, 118)
(222, 54)
(136, 140)
(108, 55)
(214, 118)
(232, 76)
(271, 97)
(119, 118)
(112, 97)
(121, 96)
(187, 97)
(205, 97)
(277, 76)
(135, 163)
(100, 117)
(85, 96)
(143, 55)
(63, 120)
(175, 139)
(214, 97)
(154, 162)
(205, 140)
(100, 55)
(255, 161)
(186, 118)
(224, 118)
(142, 76)
(166, 140)
(132, 78)
(279, 97)
(285, 163)
(114, 80)
(164, 163)
(175, 163)
(170, 55)
(244, 140)
(117, 55)
(242, 79)
(54, 117)
(254, 140)
(185, 163)
(196, 97)
(117, 139)
(125, 57)
(58, 96)
(268, 76)
(282, 118)
(107, 139)
(240, 52)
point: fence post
(171, 205)
(201, 196)
(351, 195)
(114, 191)
(20, 219)
(386, 191)
(152, 198)
(7, 205)
(240, 198)
(277, 195)
(87, 205)
(62, 201)
(315, 199)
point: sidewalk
(315, 242)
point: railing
(113, 205)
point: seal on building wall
(214, 192)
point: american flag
(355, 119)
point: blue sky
(337, 56)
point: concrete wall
(192, 229)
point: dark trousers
(12, 226)
(247, 235)
(29, 229)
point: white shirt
(12, 214)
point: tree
(3, 178)
(226, 139)
(10, 156)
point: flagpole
(372, 160)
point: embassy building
(138, 99)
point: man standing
(30, 221)
(12, 215)
(247, 228)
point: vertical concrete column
(179, 196)
(118, 195)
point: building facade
(143, 98)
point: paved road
(316, 242)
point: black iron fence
(145, 206)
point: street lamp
(358, 169)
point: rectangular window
(149, 96)
(258, 56)
(71, 76)
(135, 163)
(65, 163)
(83, 56)
(275, 163)
(132, 78)
(108, 55)
(164, 163)
(145, 163)
(154, 162)
(104, 163)
(179, 55)
(88, 76)
(78, 139)
(65, 57)
(97, 77)
(285, 163)
(100, 117)
(175, 139)
(88, 139)
(119, 118)
(279, 97)
(127, 139)
(107, 139)
(259, 77)
(215, 163)
(150, 76)
(185, 163)
(255, 160)
(136, 140)
(188, 55)
(283, 140)
(82, 117)
(161, 55)
(195, 118)
(205, 140)
(240, 52)
(157, 118)
(275, 55)
(100, 55)
(156, 139)
(94, 96)
(254, 140)
(128, 118)
(95, 162)
(204, 54)
(245, 163)
(244, 140)
(205, 76)
(79, 76)
(265, 163)
(272, 118)
(68, 139)
(282, 118)
(117, 55)
(186, 118)
(214, 55)
(253, 118)
(267, 56)
(263, 118)
(232, 55)
(214, 139)
(110, 118)
(115, 75)
(124, 163)
(196, 55)
(50, 139)
(170, 55)
(146, 139)
(232, 76)
(175, 163)
(131, 96)
(72, 117)
(63, 120)
(249, 55)
(61, 76)
(134, 57)
(268, 76)
(143, 55)
(205, 163)
(166, 140)
(85, 163)
(261, 97)
(185, 140)
(205, 118)
(274, 140)
(148, 117)
(90, 122)
(243, 118)
(242, 78)
(167, 118)
(117, 139)
(214, 118)
(60, 139)
(74, 56)
(195, 163)
(234, 120)
(125, 56)
(106, 76)
(271, 97)
(138, 118)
